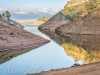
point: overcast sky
(31, 9)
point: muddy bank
(91, 69)
(13, 38)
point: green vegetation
(44, 19)
(75, 8)
(6, 14)
(91, 5)
(79, 8)
(59, 15)
(3, 14)
(72, 14)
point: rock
(87, 25)
(6, 17)
(13, 37)
(14, 23)
(54, 22)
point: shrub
(92, 4)
(72, 14)
(7, 14)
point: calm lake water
(59, 53)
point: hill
(37, 22)
(86, 25)
(72, 9)
(13, 37)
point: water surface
(50, 56)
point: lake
(59, 53)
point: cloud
(24, 13)
(31, 10)
(20, 12)
(44, 10)
(1, 9)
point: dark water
(59, 53)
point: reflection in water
(7, 55)
(80, 47)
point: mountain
(72, 10)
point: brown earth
(12, 37)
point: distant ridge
(37, 22)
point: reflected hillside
(87, 47)
(80, 47)
(7, 55)
(56, 38)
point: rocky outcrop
(86, 25)
(16, 24)
(6, 16)
(12, 37)
(62, 17)
(54, 22)
(72, 10)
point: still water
(50, 56)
